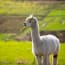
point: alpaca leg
(46, 60)
(55, 59)
(39, 60)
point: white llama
(42, 46)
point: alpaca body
(49, 44)
(42, 46)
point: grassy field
(19, 53)
(26, 8)
(20, 8)
(55, 18)
(13, 52)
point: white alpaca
(42, 46)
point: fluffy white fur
(42, 46)
(49, 44)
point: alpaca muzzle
(24, 24)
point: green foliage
(21, 8)
(57, 13)
(6, 37)
(54, 21)
(14, 53)
(54, 18)
(52, 24)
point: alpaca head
(30, 21)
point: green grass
(26, 8)
(21, 8)
(54, 25)
(57, 13)
(6, 36)
(9, 7)
(13, 52)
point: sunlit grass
(21, 8)
(8, 7)
(13, 52)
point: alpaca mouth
(25, 24)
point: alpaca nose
(24, 24)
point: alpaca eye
(29, 21)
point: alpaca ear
(31, 16)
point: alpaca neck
(35, 34)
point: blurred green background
(15, 40)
